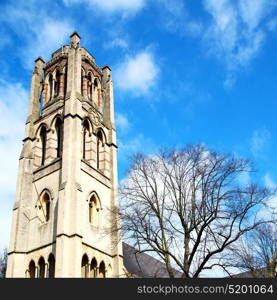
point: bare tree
(188, 207)
(256, 253)
(3, 263)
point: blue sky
(185, 71)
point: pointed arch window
(41, 102)
(90, 86)
(85, 139)
(102, 270)
(94, 208)
(100, 150)
(84, 266)
(57, 83)
(96, 92)
(44, 207)
(51, 263)
(58, 127)
(43, 138)
(83, 83)
(41, 266)
(51, 82)
(32, 269)
(93, 268)
(65, 81)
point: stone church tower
(63, 217)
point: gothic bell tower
(66, 195)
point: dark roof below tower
(143, 265)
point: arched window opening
(102, 270)
(101, 105)
(85, 139)
(93, 268)
(96, 92)
(84, 266)
(41, 98)
(83, 87)
(51, 82)
(44, 207)
(58, 127)
(82, 84)
(32, 269)
(90, 86)
(94, 210)
(95, 85)
(41, 266)
(100, 150)
(57, 83)
(65, 81)
(51, 263)
(43, 137)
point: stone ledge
(48, 169)
(52, 105)
(99, 176)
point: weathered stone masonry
(67, 176)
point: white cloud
(260, 140)
(111, 6)
(117, 43)
(13, 104)
(138, 73)
(194, 28)
(40, 34)
(272, 24)
(244, 178)
(138, 143)
(5, 39)
(175, 18)
(122, 123)
(236, 32)
(269, 212)
(253, 11)
(269, 182)
(51, 35)
(173, 13)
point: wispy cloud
(137, 143)
(272, 24)
(254, 11)
(39, 32)
(122, 123)
(117, 43)
(175, 18)
(236, 31)
(260, 141)
(111, 6)
(244, 178)
(138, 73)
(56, 33)
(269, 182)
(270, 210)
(13, 106)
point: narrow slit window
(43, 137)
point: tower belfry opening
(67, 176)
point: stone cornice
(86, 57)
(54, 60)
